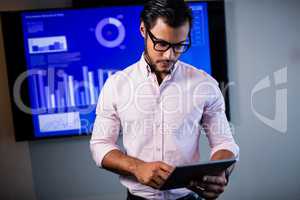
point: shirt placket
(159, 119)
(158, 122)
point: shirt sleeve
(107, 124)
(216, 125)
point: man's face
(164, 61)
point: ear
(143, 29)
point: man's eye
(163, 44)
(179, 46)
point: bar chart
(56, 46)
(68, 91)
(47, 44)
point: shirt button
(158, 100)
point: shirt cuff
(100, 150)
(232, 147)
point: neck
(160, 77)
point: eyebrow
(161, 40)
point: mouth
(166, 64)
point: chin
(164, 68)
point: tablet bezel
(182, 175)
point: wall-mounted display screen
(69, 54)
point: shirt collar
(146, 70)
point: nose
(169, 54)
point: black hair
(174, 13)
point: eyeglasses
(162, 45)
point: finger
(214, 188)
(158, 180)
(166, 167)
(209, 195)
(163, 174)
(220, 180)
(154, 184)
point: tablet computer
(182, 175)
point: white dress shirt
(160, 122)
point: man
(158, 105)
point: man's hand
(153, 174)
(210, 187)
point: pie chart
(110, 32)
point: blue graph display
(73, 52)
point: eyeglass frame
(156, 40)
